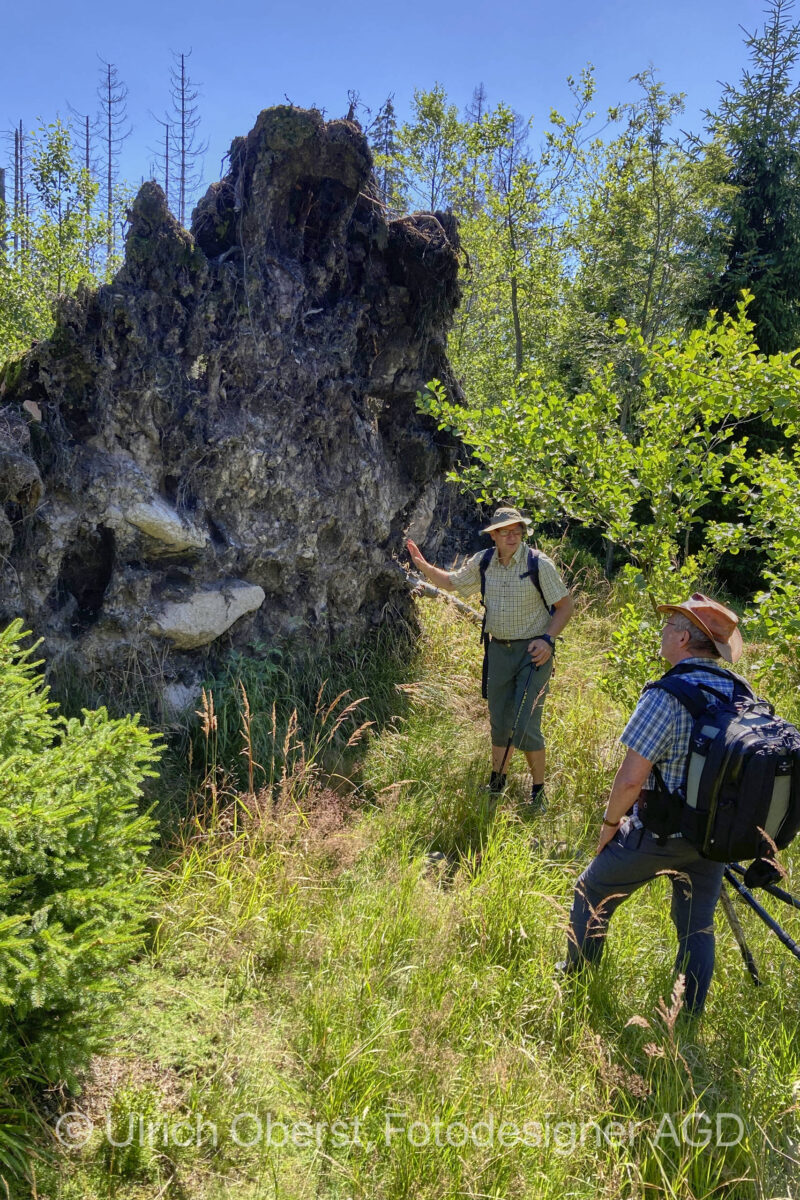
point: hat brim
(731, 650)
(506, 524)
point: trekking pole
(772, 888)
(738, 933)
(516, 718)
(757, 908)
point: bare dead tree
(508, 159)
(182, 134)
(3, 225)
(81, 132)
(20, 198)
(355, 107)
(162, 160)
(113, 96)
(477, 106)
(16, 193)
(474, 113)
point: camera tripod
(731, 876)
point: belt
(509, 641)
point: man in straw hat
(697, 633)
(522, 622)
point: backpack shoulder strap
(483, 567)
(740, 685)
(694, 695)
(690, 695)
(684, 668)
(532, 573)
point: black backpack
(532, 573)
(740, 796)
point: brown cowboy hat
(504, 517)
(715, 620)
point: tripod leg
(769, 921)
(772, 888)
(738, 933)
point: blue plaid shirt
(660, 727)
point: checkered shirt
(660, 728)
(514, 607)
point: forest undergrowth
(349, 986)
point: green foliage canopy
(60, 243)
(644, 485)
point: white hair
(698, 640)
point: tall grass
(271, 706)
(313, 963)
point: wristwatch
(611, 824)
(545, 637)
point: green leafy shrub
(644, 466)
(72, 848)
(772, 492)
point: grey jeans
(632, 858)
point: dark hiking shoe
(496, 784)
(537, 801)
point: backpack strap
(694, 696)
(532, 573)
(741, 685)
(483, 566)
(691, 695)
(685, 668)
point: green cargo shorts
(509, 675)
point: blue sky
(247, 56)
